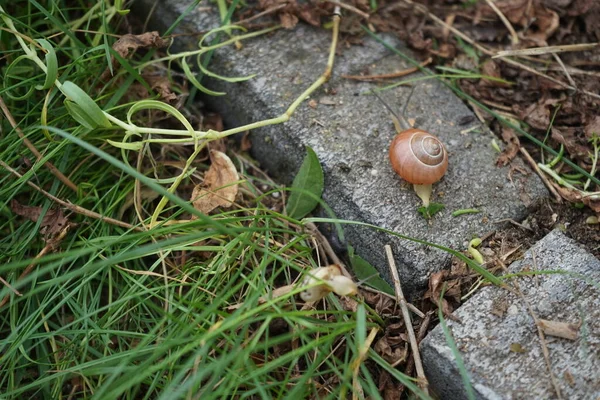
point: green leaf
(190, 75)
(430, 210)
(86, 109)
(79, 115)
(367, 273)
(207, 72)
(127, 146)
(51, 65)
(307, 185)
(14, 71)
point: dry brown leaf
(537, 116)
(219, 187)
(568, 137)
(575, 196)
(128, 44)
(212, 121)
(512, 146)
(162, 85)
(288, 21)
(246, 142)
(559, 329)
(592, 127)
(383, 348)
(53, 222)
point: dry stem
(535, 167)
(61, 177)
(75, 208)
(422, 380)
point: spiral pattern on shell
(418, 157)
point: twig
(75, 208)
(422, 380)
(410, 364)
(542, 176)
(349, 8)
(5, 283)
(514, 38)
(33, 149)
(261, 14)
(328, 249)
(546, 50)
(396, 74)
(564, 69)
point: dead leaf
(162, 85)
(246, 142)
(288, 21)
(575, 196)
(327, 100)
(382, 304)
(54, 220)
(219, 187)
(512, 146)
(592, 127)
(517, 348)
(212, 121)
(393, 356)
(559, 329)
(492, 69)
(128, 44)
(536, 115)
(569, 138)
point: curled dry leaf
(219, 187)
(392, 354)
(512, 146)
(54, 220)
(129, 43)
(162, 85)
(573, 143)
(559, 329)
(452, 292)
(592, 127)
(576, 196)
(536, 115)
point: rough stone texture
(351, 138)
(495, 318)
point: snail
(417, 156)
(323, 280)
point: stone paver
(351, 135)
(494, 319)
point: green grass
(111, 312)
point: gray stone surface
(351, 138)
(495, 318)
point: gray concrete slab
(494, 319)
(351, 135)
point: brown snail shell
(418, 157)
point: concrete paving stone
(494, 319)
(351, 133)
